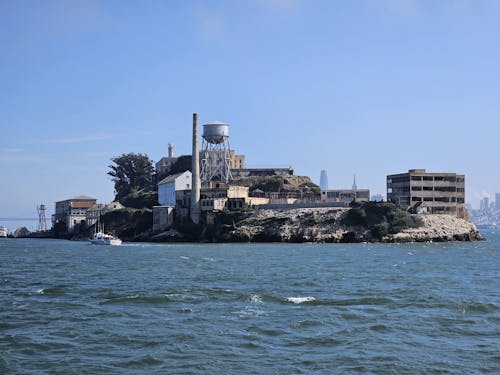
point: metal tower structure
(42, 222)
(215, 156)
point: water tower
(215, 157)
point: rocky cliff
(329, 225)
(438, 228)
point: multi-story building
(236, 161)
(164, 165)
(497, 201)
(169, 185)
(97, 210)
(72, 211)
(163, 215)
(434, 193)
(345, 196)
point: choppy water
(71, 308)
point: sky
(365, 87)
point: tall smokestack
(195, 169)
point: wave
(299, 300)
(139, 299)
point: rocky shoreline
(322, 225)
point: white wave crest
(41, 291)
(298, 300)
(255, 298)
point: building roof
(81, 204)
(79, 198)
(171, 178)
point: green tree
(130, 172)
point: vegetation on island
(136, 189)
(380, 218)
(130, 173)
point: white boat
(3, 232)
(102, 238)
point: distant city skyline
(370, 87)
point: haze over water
(72, 308)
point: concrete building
(497, 201)
(169, 185)
(164, 165)
(94, 212)
(72, 211)
(425, 192)
(163, 215)
(221, 196)
(345, 196)
(236, 161)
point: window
(441, 199)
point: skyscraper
(323, 180)
(497, 201)
(354, 186)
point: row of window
(438, 199)
(425, 178)
(452, 189)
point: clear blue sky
(366, 87)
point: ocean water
(72, 308)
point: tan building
(236, 161)
(72, 211)
(424, 192)
(345, 195)
(222, 196)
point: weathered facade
(72, 211)
(97, 210)
(345, 196)
(163, 217)
(425, 192)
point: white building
(163, 215)
(72, 211)
(169, 185)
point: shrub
(380, 218)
